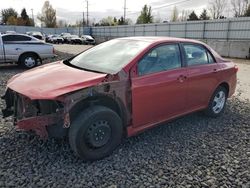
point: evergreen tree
(247, 13)
(24, 15)
(145, 16)
(192, 16)
(121, 21)
(204, 15)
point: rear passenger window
(210, 58)
(197, 55)
(8, 38)
(14, 38)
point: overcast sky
(71, 10)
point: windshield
(88, 37)
(109, 57)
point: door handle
(181, 78)
(215, 70)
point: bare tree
(61, 23)
(184, 15)
(175, 15)
(157, 18)
(239, 7)
(216, 8)
(48, 15)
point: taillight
(236, 68)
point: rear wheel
(29, 60)
(95, 133)
(217, 102)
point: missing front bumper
(35, 115)
(39, 124)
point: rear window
(14, 38)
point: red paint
(202, 80)
(155, 98)
(52, 80)
(158, 96)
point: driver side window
(161, 58)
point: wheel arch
(101, 100)
(225, 85)
(28, 52)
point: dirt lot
(193, 151)
(243, 87)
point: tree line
(47, 17)
(10, 17)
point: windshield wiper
(67, 62)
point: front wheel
(95, 133)
(217, 102)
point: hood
(52, 80)
(76, 38)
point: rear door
(159, 88)
(202, 75)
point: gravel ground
(193, 151)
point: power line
(167, 5)
(162, 6)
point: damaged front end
(34, 115)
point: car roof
(7, 34)
(16, 34)
(152, 39)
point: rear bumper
(89, 42)
(233, 85)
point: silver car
(24, 50)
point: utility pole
(87, 12)
(124, 13)
(33, 17)
(82, 22)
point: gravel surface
(193, 151)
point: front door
(159, 88)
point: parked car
(36, 34)
(47, 37)
(10, 32)
(56, 39)
(65, 37)
(24, 50)
(87, 39)
(119, 88)
(74, 39)
(65, 34)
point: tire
(217, 102)
(95, 133)
(29, 60)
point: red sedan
(119, 88)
